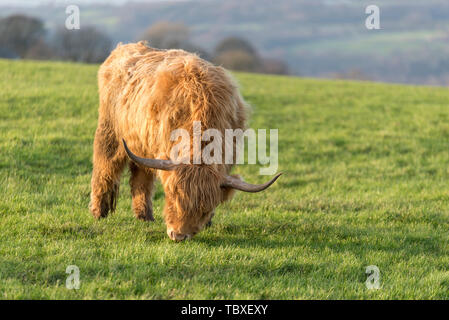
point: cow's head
(192, 192)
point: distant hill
(320, 38)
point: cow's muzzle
(178, 236)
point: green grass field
(366, 183)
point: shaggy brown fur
(145, 94)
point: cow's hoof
(145, 215)
(101, 208)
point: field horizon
(365, 184)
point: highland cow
(145, 94)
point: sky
(16, 3)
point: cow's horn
(150, 163)
(235, 183)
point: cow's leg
(109, 160)
(209, 223)
(142, 183)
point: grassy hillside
(366, 183)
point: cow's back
(147, 93)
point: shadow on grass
(338, 239)
(70, 231)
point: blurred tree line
(24, 37)
(233, 53)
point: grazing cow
(145, 94)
